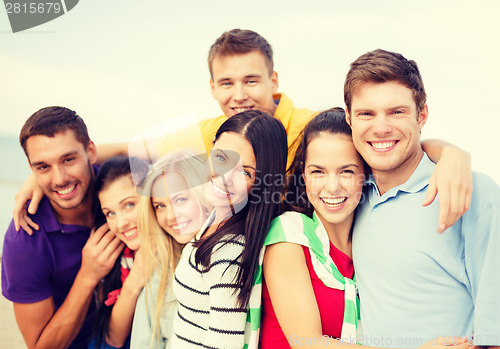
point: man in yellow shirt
(242, 77)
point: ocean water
(13, 172)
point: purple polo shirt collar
(50, 224)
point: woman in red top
(328, 175)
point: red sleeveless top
(330, 303)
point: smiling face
(62, 168)
(334, 177)
(230, 190)
(119, 203)
(386, 129)
(243, 82)
(177, 210)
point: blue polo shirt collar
(418, 181)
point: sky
(126, 66)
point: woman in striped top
(215, 274)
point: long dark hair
(111, 170)
(268, 139)
(331, 121)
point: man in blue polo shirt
(50, 276)
(415, 284)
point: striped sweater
(208, 315)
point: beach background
(127, 65)
(12, 174)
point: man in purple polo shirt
(50, 276)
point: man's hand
(452, 178)
(448, 343)
(44, 327)
(29, 190)
(99, 254)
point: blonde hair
(160, 252)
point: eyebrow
(38, 163)
(179, 193)
(245, 77)
(253, 76)
(127, 198)
(224, 153)
(390, 109)
(223, 80)
(358, 110)
(227, 156)
(340, 168)
(250, 167)
(347, 166)
(399, 107)
(159, 201)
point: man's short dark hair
(50, 121)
